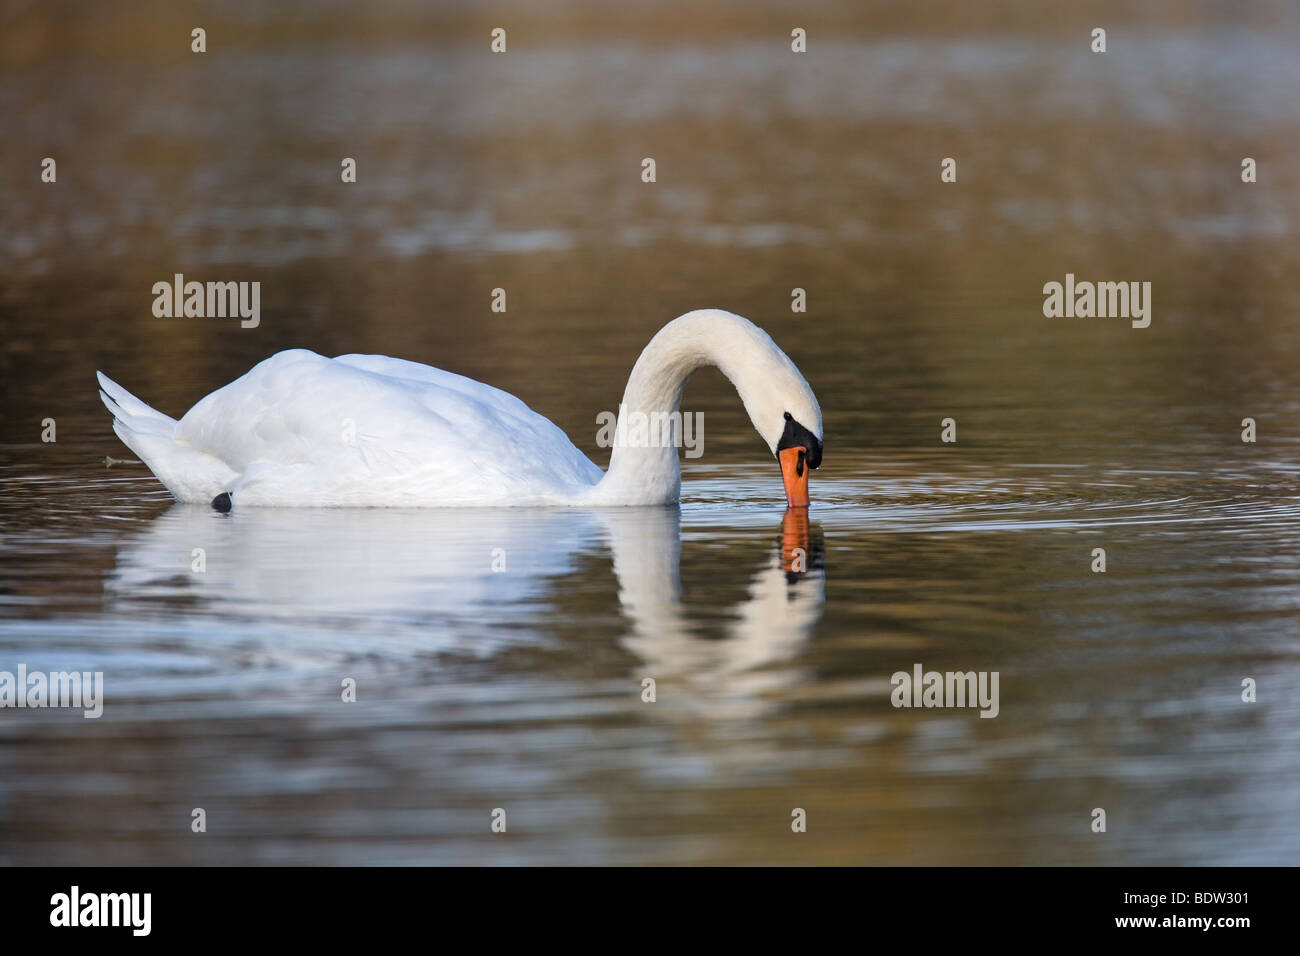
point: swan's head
(784, 410)
(799, 450)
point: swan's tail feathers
(131, 416)
(189, 475)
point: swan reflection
(316, 586)
(783, 603)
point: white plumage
(368, 430)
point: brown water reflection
(523, 689)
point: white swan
(367, 430)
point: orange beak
(794, 469)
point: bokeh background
(775, 170)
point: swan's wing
(370, 429)
(402, 369)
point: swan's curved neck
(643, 467)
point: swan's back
(302, 429)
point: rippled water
(521, 689)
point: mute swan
(368, 430)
